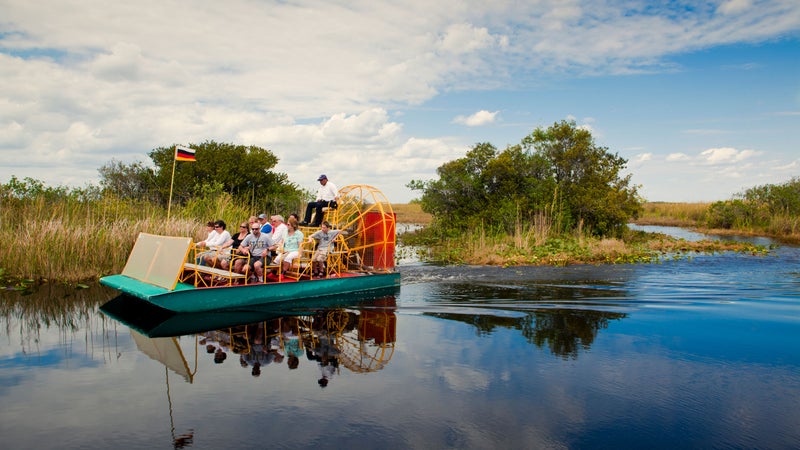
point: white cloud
(735, 6)
(85, 81)
(480, 118)
(123, 63)
(465, 38)
(677, 157)
(725, 155)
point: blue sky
(701, 98)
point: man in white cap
(327, 196)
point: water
(701, 352)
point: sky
(702, 98)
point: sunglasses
(243, 226)
(255, 229)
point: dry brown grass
(672, 214)
(70, 242)
(411, 213)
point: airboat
(161, 270)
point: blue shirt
(266, 229)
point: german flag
(184, 153)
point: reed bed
(527, 245)
(411, 213)
(73, 241)
(784, 227)
(673, 214)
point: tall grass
(539, 242)
(673, 214)
(71, 240)
(411, 213)
(728, 217)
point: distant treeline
(771, 208)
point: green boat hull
(153, 321)
(186, 298)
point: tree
(587, 177)
(460, 195)
(244, 172)
(128, 181)
(240, 169)
(559, 171)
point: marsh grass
(784, 227)
(529, 244)
(673, 214)
(73, 241)
(411, 213)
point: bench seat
(227, 276)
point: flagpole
(172, 181)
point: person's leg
(309, 209)
(259, 270)
(209, 260)
(250, 268)
(319, 214)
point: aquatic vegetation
(482, 247)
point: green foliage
(760, 207)
(776, 199)
(132, 181)
(558, 173)
(27, 189)
(729, 214)
(244, 172)
(460, 195)
(63, 234)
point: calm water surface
(700, 352)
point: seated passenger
(214, 243)
(266, 228)
(233, 243)
(291, 245)
(325, 236)
(279, 230)
(256, 244)
(211, 233)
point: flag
(184, 153)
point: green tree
(133, 181)
(587, 177)
(559, 171)
(246, 173)
(460, 195)
(757, 207)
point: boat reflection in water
(359, 340)
(358, 335)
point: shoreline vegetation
(76, 241)
(556, 198)
(528, 245)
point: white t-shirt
(327, 192)
(279, 233)
(218, 239)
